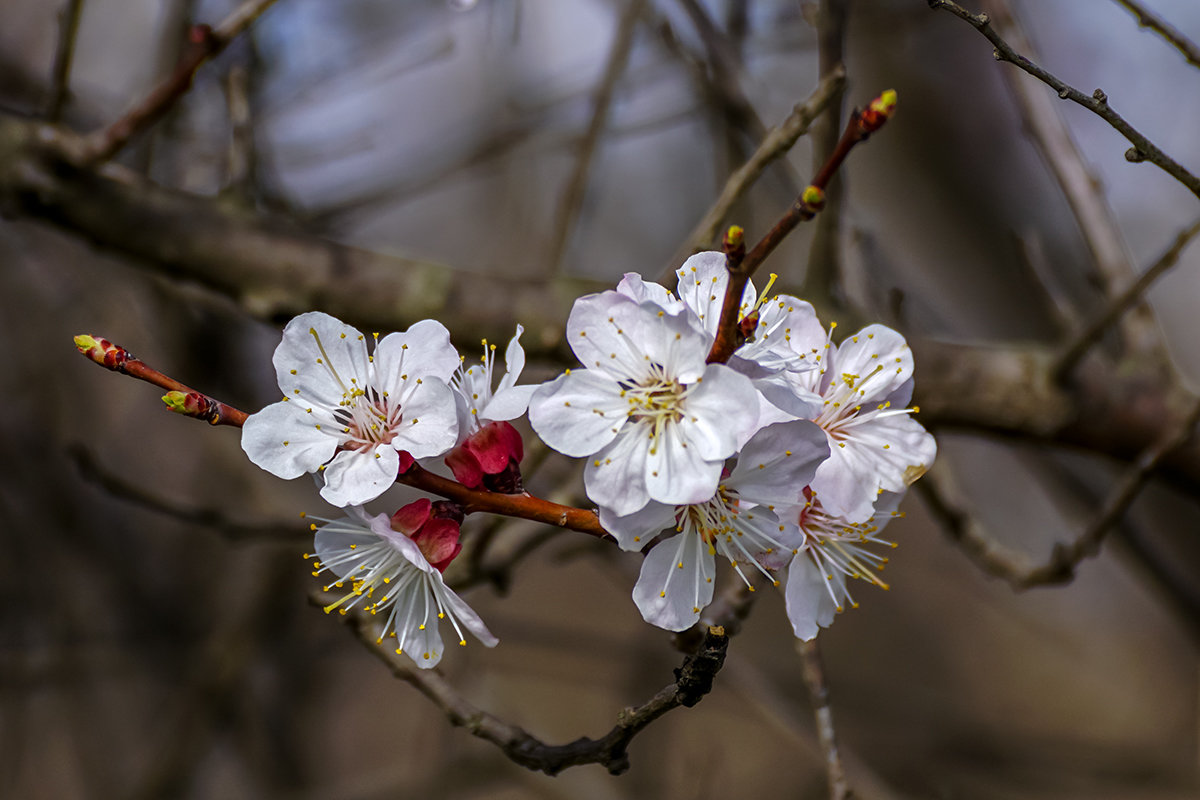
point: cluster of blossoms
(786, 461)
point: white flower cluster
(791, 456)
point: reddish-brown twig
(189, 402)
(179, 398)
(204, 43)
(808, 204)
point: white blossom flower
(875, 445)
(775, 326)
(656, 422)
(359, 410)
(390, 573)
(834, 550)
(739, 522)
(475, 400)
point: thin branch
(808, 204)
(694, 680)
(778, 141)
(92, 471)
(1098, 225)
(205, 43)
(1091, 334)
(1148, 19)
(824, 258)
(618, 59)
(996, 559)
(64, 54)
(818, 691)
(1143, 149)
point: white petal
(508, 403)
(676, 582)
(429, 426)
(879, 358)
(778, 462)
(885, 453)
(809, 605)
(677, 473)
(283, 440)
(514, 361)
(702, 282)
(318, 358)
(640, 291)
(616, 476)
(355, 477)
(602, 331)
(423, 350)
(462, 612)
(633, 531)
(721, 413)
(578, 413)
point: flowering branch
(808, 204)
(179, 398)
(694, 680)
(204, 43)
(1143, 149)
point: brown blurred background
(155, 634)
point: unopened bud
(879, 112)
(102, 351)
(734, 237)
(190, 404)
(813, 198)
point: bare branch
(818, 692)
(994, 558)
(206, 43)
(778, 141)
(1090, 335)
(694, 680)
(1097, 223)
(1097, 102)
(618, 58)
(1148, 19)
(64, 53)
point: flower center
(366, 415)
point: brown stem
(1148, 19)
(205, 43)
(818, 692)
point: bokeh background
(156, 639)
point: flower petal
(702, 282)
(424, 350)
(806, 595)
(676, 582)
(355, 477)
(318, 359)
(616, 476)
(778, 462)
(677, 472)
(429, 426)
(722, 413)
(633, 531)
(578, 413)
(283, 440)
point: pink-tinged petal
(438, 540)
(633, 531)
(702, 282)
(465, 467)
(508, 403)
(675, 583)
(640, 291)
(283, 440)
(878, 359)
(809, 604)
(882, 453)
(466, 615)
(355, 477)
(778, 462)
(429, 426)
(676, 343)
(578, 413)
(615, 476)
(409, 519)
(677, 473)
(494, 445)
(424, 350)
(846, 483)
(318, 358)
(721, 413)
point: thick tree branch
(1097, 102)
